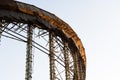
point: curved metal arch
(25, 13)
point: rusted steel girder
(67, 61)
(49, 20)
(25, 13)
(6, 2)
(52, 56)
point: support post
(66, 61)
(77, 73)
(29, 54)
(52, 57)
(0, 30)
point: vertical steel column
(52, 56)
(29, 54)
(67, 62)
(78, 67)
(77, 75)
(0, 30)
(82, 70)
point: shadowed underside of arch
(25, 13)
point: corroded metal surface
(25, 13)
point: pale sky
(97, 23)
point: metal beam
(0, 30)
(77, 75)
(66, 61)
(29, 54)
(52, 57)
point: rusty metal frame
(72, 51)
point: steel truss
(62, 65)
(65, 60)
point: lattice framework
(67, 62)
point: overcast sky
(97, 23)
